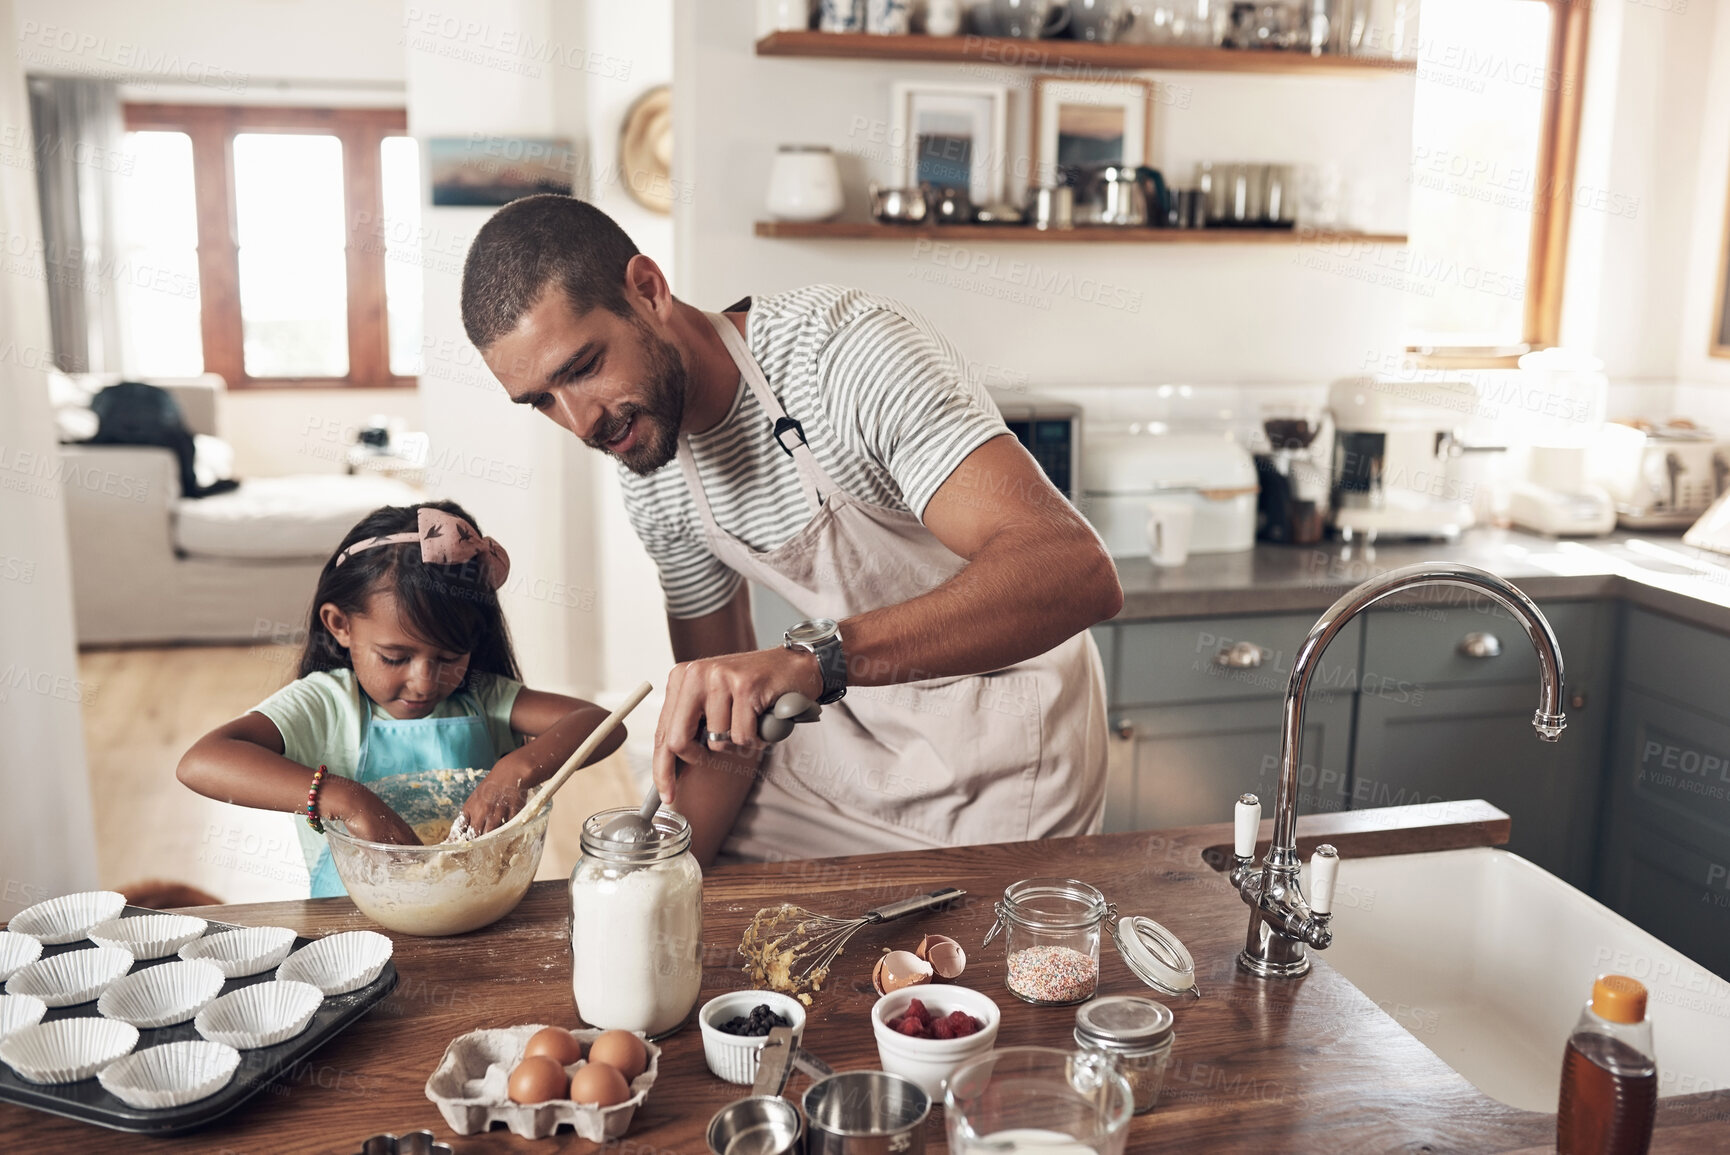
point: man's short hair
(535, 242)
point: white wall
(1213, 313)
(1704, 267)
(535, 492)
(1640, 196)
(48, 845)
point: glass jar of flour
(637, 927)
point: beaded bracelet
(312, 801)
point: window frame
(212, 129)
(1558, 153)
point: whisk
(791, 947)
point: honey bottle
(1609, 1074)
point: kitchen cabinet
(1195, 716)
(1185, 765)
(1445, 704)
(1665, 858)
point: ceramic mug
(1170, 521)
(943, 17)
(888, 17)
(841, 16)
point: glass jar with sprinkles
(1136, 1035)
(1052, 928)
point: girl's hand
(365, 813)
(498, 796)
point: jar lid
(1123, 1021)
(1157, 956)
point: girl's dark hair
(448, 606)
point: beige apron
(1014, 754)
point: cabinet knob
(1480, 645)
(1577, 702)
(1123, 728)
(1240, 656)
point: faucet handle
(1324, 869)
(1248, 818)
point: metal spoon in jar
(774, 726)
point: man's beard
(658, 415)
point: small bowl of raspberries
(926, 1032)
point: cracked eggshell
(899, 969)
(945, 955)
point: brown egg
(944, 954)
(899, 969)
(555, 1043)
(622, 1051)
(537, 1079)
(599, 1084)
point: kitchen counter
(1654, 570)
(1258, 1066)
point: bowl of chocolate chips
(735, 1026)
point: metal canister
(1136, 1034)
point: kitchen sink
(1487, 960)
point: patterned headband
(445, 539)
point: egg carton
(468, 1088)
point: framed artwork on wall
(951, 136)
(1085, 123)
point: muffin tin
(89, 1101)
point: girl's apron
(1015, 754)
(400, 760)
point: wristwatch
(822, 638)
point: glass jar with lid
(637, 927)
(1136, 1035)
(1051, 927)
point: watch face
(814, 632)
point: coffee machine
(1394, 440)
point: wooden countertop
(1258, 1066)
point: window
(1495, 130)
(297, 228)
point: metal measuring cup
(765, 1123)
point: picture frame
(944, 132)
(495, 170)
(1089, 122)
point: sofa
(151, 566)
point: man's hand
(498, 796)
(727, 694)
(365, 813)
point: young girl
(408, 670)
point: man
(829, 446)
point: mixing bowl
(443, 889)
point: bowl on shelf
(929, 1062)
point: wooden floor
(149, 705)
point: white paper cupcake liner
(148, 936)
(69, 917)
(469, 1087)
(338, 964)
(162, 995)
(171, 1074)
(66, 1050)
(77, 976)
(17, 951)
(260, 1015)
(242, 952)
(20, 1011)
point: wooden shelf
(1022, 234)
(1070, 55)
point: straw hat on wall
(646, 150)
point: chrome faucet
(1281, 922)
